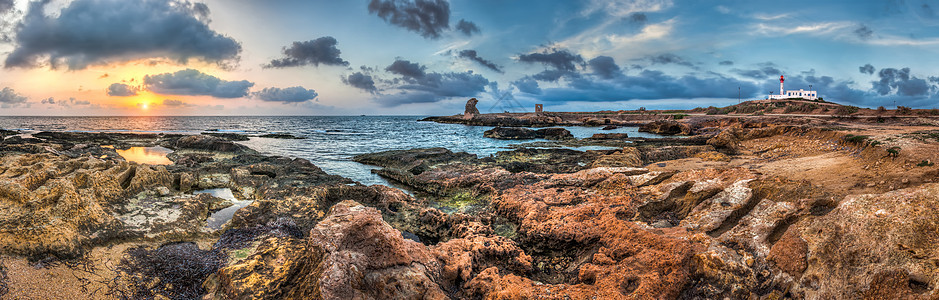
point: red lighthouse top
(781, 79)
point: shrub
(679, 116)
(857, 139)
(893, 151)
(846, 110)
(925, 163)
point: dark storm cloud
(314, 52)
(552, 75)
(867, 69)
(669, 58)
(466, 27)
(726, 63)
(605, 67)
(765, 70)
(9, 98)
(638, 17)
(649, 85)
(407, 69)
(527, 85)
(418, 86)
(429, 18)
(90, 32)
(288, 95)
(6, 5)
(121, 90)
(902, 82)
(361, 81)
(864, 32)
(560, 59)
(193, 82)
(472, 55)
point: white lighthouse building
(800, 94)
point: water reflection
(147, 155)
(219, 218)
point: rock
(518, 133)
(281, 136)
(209, 143)
(789, 253)
(666, 127)
(413, 161)
(510, 133)
(875, 244)
(471, 108)
(609, 127)
(609, 136)
(351, 254)
(553, 133)
(726, 140)
(228, 136)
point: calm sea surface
(329, 142)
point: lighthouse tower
(781, 80)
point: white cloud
(596, 41)
(622, 8)
(813, 29)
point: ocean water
(329, 141)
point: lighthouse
(784, 94)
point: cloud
(812, 28)
(638, 17)
(726, 63)
(418, 86)
(287, 95)
(471, 55)
(407, 69)
(900, 80)
(9, 98)
(314, 52)
(552, 75)
(68, 102)
(765, 70)
(429, 18)
(466, 27)
(97, 32)
(527, 85)
(193, 82)
(605, 67)
(561, 60)
(864, 32)
(867, 69)
(6, 5)
(173, 103)
(625, 8)
(648, 85)
(361, 81)
(121, 90)
(669, 58)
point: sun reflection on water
(147, 155)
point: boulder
(518, 133)
(666, 127)
(351, 254)
(209, 143)
(471, 107)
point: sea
(328, 141)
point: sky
(427, 57)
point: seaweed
(174, 271)
(4, 289)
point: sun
(144, 105)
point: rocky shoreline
(757, 208)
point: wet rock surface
(518, 133)
(738, 212)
